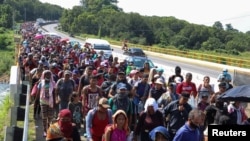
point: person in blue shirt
(190, 131)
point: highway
(167, 64)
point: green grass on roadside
(4, 115)
(32, 125)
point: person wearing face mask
(121, 101)
(225, 77)
(63, 129)
(190, 130)
(121, 78)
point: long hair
(151, 75)
(125, 126)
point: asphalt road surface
(213, 73)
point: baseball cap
(67, 72)
(121, 72)
(159, 70)
(156, 76)
(104, 102)
(121, 86)
(134, 71)
(159, 81)
(75, 71)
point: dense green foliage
(7, 50)
(26, 10)
(104, 18)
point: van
(100, 45)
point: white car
(100, 45)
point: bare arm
(80, 87)
(107, 134)
(83, 94)
(111, 92)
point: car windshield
(139, 62)
(102, 47)
(136, 50)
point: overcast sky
(235, 12)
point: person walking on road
(46, 89)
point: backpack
(106, 86)
(71, 80)
(106, 129)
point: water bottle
(130, 136)
(140, 107)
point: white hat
(156, 76)
(103, 64)
(159, 81)
(177, 79)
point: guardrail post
(16, 114)
(17, 133)
(13, 116)
(8, 134)
(22, 99)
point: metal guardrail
(26, 118)
(20, 94)
(243, 63)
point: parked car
(133, 51)
(138, 61)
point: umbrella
(64, 40)
(38, 36)
(238, 93)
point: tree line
(106, 19)
(12, 11)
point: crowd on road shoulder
(77, 92)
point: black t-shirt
(84, 80)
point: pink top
(118, 135)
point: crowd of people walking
(77, 93)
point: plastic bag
(130, 136)
(192, 101)
(34, 90)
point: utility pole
(13, 20)
(24, 14)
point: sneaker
(44, 134)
